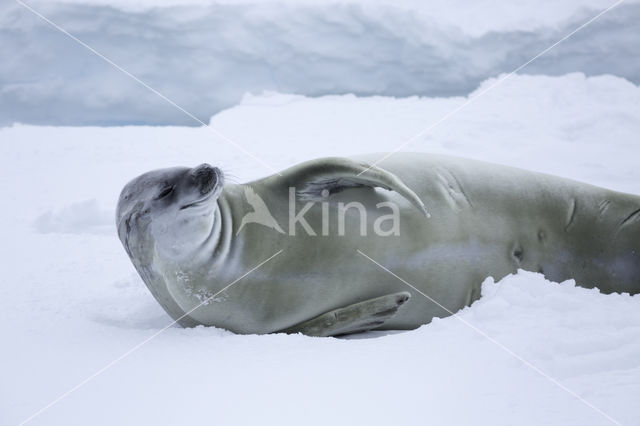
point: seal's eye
(168, 190)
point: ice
(204, 55)
(72, 303)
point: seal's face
(171, 207)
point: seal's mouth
(208, 180)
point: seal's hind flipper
(354, 318)
(318, 178)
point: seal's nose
(206, 177)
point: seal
(189, 235)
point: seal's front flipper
(318, 178)
(354, 318)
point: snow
(205, 55)
(72, 302)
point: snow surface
(205, 55)
(72, 302)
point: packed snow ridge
(205, 55)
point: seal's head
(171, 209)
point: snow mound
(584, 128)
(527, 301)
(205, 55)
(77, 218)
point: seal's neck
(216, 244)
(200, 239)
(219, 242)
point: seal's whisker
(229, 175)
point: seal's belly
(444, 257)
